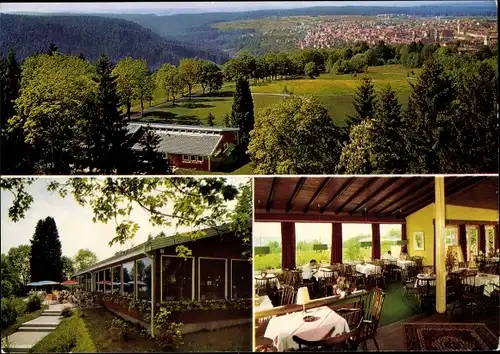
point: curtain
(288, 245)
(482, 238)
(462, 239)
(375, 241)
(336, 254)
(404, 248)
(495, 235)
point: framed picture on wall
(418, 236)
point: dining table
(405, 263)
(281, 329)
(269, 277)
(368, 269)
(487, 280)
(264, 304)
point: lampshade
(320, 247)
(303, 296)
(364, 244)
(262, 250)
(402, 242)
(458, 250)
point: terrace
(441, 277)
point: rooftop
(184, 127)
(178, 143)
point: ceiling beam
(337, 194)
(317, 193)
(462, 183)
(326, 218)
(394, 204)
(270, 198)
(401, 187)
(296, 191)
(356, 194)
(379, 190)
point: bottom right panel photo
(376, 263)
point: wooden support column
(439, 244)
(336, 251)
(462, 239)
(375, 241)
(404, 237)
(482, 238)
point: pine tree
(109, 146)
(242, 115)
(46, 255)
(364, 104)
(426, 118)
(152, 161)
(388, 139)
(211, 119)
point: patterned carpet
(449, 336)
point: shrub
(6, 289)
(67, 312)
(167, 333)
(8, 312)
(120, 329)
(34, 302)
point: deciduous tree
(189, 70)
(83, 259)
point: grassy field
(335, 92)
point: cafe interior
(422, 275)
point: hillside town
(400, 30)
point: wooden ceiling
(388, 199)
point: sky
(190, 7)
(74, 222)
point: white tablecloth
(486, 280)
(405, 263)
(273, 280)
(368, 269)
(281, 329)
(353, 262)
(265, 304)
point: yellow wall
(423, 220)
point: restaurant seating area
(441, 292)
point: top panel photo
(249, 88)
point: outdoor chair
(369, 325)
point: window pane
(390, 234)
(267, 234)
(490, 240)
(356, 242)
(116, 278)
(144, 278)
(96, 281)
(451, 235)
(241, 279)
(311, 240)
(101, 280)
(472, 249)
(212, 279)
(107, 280)
(177, 278)
(128, 278)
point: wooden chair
(287, 295)
(378, 278)
(327, 343)
(357, 278)
(263, 286)
(327, 281)
(409, 277)
(369, 325)
(353, 315)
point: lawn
(335, 92)
(238, 338)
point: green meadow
(335, 92)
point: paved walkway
(33, 331)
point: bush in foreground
(34, 302)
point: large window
(101, 280)
(128, 278)
(267, 245)
(177, 276)
(107, 280)
(96, 281)
(313, 241)
(144, 266)
(116, 276)
(241, 279)
(88, 282)
(472, 243)
(390, 239)
(212, 278)
(451, 236)
(490, 239)
(356, 242)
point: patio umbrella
(69, 282)
(48, 282)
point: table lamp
(303, 298)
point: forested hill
(91, 36)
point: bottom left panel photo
(126, 264)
